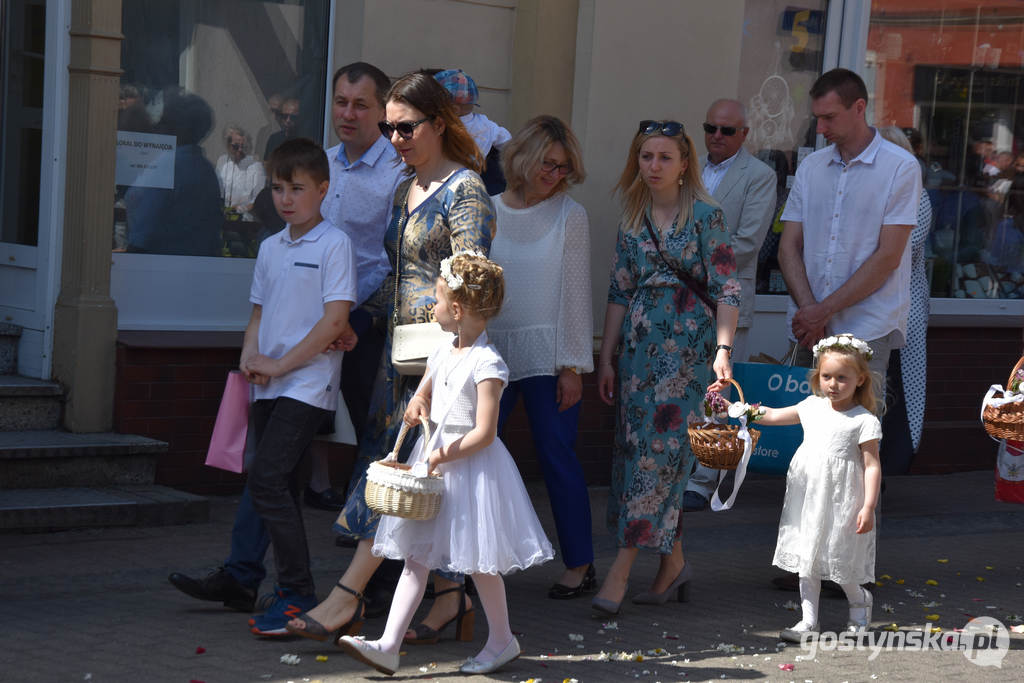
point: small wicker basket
(391, 489)
(1005, 421)
(719, 446)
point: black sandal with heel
(464, 620)
(316, 631)
(588, 584)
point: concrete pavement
(96, 605)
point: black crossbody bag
(688, 280)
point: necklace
(452, 367)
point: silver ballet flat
(476, 666)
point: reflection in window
(23, 25)
(777, 68)
(949, 72)
(209, 90)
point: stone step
(49, 458)
(24, 510)
(27, 403)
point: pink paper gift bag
(227, 444)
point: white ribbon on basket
(991, 400)
(741, 470)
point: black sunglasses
(667, 128)
(405, 128)
(727, 131)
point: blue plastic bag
(776, 386)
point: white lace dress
(824, 492)
(486, 523)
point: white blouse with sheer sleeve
(546, 322)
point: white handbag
(412, 344)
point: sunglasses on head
(667, 128)
(405, 128)
(727, 131)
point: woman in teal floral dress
(441, 209)
(672, 349)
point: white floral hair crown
(846, 342)
(454, 281)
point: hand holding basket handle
(392, 489)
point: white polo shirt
(843, 208)
(292, 281)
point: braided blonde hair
(483, 290)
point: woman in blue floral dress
(441, 209)
(672, 349)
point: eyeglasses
(727, 131)
(667, 128)
(236, 146)
(405, 128)
(288, 117)
(551, 167)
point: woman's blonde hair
(636, 196)
(896, 137)
(865, 393)
(420, 91)
(524, 153)
(483, 288)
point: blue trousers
(554, 437)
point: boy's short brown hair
(299, 154)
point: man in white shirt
(844, 252)
(745, 189)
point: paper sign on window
(145, 159)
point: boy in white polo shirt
(303, 286)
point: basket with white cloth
(393, 488)
(1002, 410)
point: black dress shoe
(328, 499)
(217, 586)
(588, 584)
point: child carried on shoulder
(827, 528)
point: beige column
(543, 60)
(85, 319)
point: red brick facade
(172, 394)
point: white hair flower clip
(454, 281)
(845, 341)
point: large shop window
(209, 89)
(777, 68)
(950, 73)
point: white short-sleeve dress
(486, 523)
(824, 492)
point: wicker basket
(1005, 421)
(391, 489)
(719, 446)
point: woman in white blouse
(241, 174)
(545, 328)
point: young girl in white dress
(486, 525)
(827, 529)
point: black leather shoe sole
(235, 597)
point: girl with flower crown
(486, 525)
(827, 530)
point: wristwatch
(724, 346)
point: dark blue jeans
(283, 429)
(554, 437)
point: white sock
(810, 594)
(854, 592)
(491, 590)
(408, 596)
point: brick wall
(172, 393)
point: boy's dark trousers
(284, 428)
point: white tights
(409, 593)
(810, 596)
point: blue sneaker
(286, 605)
